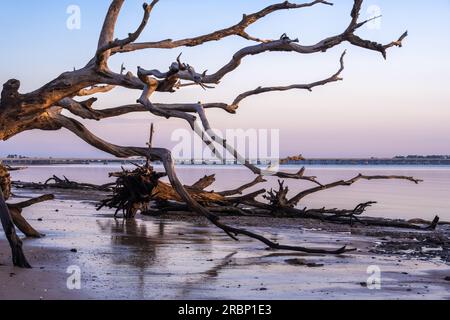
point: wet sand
(179, 258)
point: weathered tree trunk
(18, 256)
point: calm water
(399, 199)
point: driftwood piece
(9, 168)
(240, 190)
(204, 182)
(58, 183)
(296, 199)
(344, 216)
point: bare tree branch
(109, 24)
(237, 29)
(294, 201)
(106, 43)
(240, 190)
(309, 87)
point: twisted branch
(238, 29)
(295, 200)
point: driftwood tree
(43, 108)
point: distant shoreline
(307, 162)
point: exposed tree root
(136, 189)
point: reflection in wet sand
(136, 243)
(142, 245)
(133, 235)
(209, 275)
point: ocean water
(396, 199)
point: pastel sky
(383, 108)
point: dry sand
(162, 258)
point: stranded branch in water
(49, 108)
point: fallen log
(57, 183)
(9, 168)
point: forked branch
(106, 43)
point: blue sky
(383, 108)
